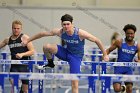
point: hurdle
(94, 64)
(65, 76)
(102, 67)
(57, 76)
(5, 56)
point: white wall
(99, 3)
(99, 22)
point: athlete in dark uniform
(73, 52)
(127, 48)
(18, 52)
(15, 48)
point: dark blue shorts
(20, 68)
(123, 71)
(73, 60)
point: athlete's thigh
(75, 63)
(61, 53)
(51, 48)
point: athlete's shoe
(123, 89)
(45, 66)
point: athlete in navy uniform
(127, 49)
(18, 52)
(73, 52)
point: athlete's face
(16, 29)
(67, 25)
(130, 34)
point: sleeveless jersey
(73, 43)
(126, 53)
(16, 47)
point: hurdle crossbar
(60, 76)
(131, 64)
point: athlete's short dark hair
(67, 17)
(129, 26)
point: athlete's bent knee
(47, 46)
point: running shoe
(45, 66)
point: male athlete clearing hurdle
(74, 51)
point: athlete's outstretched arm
(113, 46)
(42, 34)
(85, 35)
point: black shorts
(20, 68)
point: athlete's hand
(19, 55)
(105, 57)
(136, 60)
